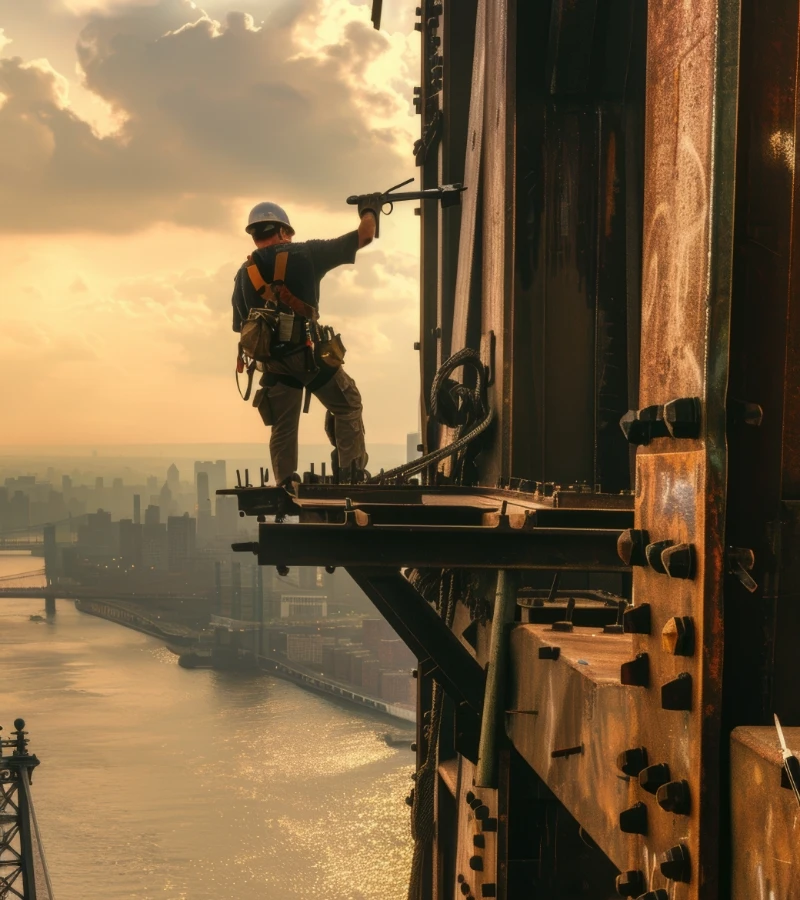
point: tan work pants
(339, 395)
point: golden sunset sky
(134, 138)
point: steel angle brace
(426, 634)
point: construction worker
(295, 361)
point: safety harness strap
(279, 289)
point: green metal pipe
(505, 601)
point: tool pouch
(258, 331)
(261, 403)
(332, 351)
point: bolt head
(653, 553)
(651, 778)
(19, 724)
(632, 761)
(631, 547)
(682, 417)
(679, 561)
(630, 883)
(674, 864)
(476, 863)
(634, 821)
(674, 797)
(677, 636)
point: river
(162, 782)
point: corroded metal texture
(765, 816)
(497, 219)
(577, 701)
(680, 484)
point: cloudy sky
(134, 137)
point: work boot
(290, 483)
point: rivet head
(653, 777)
(476, 863)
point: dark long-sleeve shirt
(308, 263)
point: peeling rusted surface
(765, 816)
(577, 700)
(680, 485)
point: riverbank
(183, 640)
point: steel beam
(425, 633)
(427, 546)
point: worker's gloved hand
(370, 203)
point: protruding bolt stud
(630, 883)
(677, 694)
(674, 864)
(640, 426)
(489, 824)
(637, 619)
(677, 636)
(475, 802)
(682, 417)
(489, 889)
(674, 797)
(636, 672)
(479, 841)
(476, 863)
(482, 813)
(631, 547)
(632, 761)
(653, 777)
(653, 553)
(469, 796)
(282, 570)
(634, 821)
(464, 888)
(679, 561)
(410, 798)
(549, 652)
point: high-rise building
(173, 479)
(152, 485)
(181, 541)
(216, 471)
(205, 522)
(130, 542)
(152, 515)
(227, 518)
(137, 509)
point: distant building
(137, 509)
(152, 515)
(96, 536)
(130, 542)
(301, 606)
(227, 518)
(181, 542)
(174, 479)
(205, 521)
(216, 472)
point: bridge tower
(17, 821)
(50, 568)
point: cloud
(210, 111)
